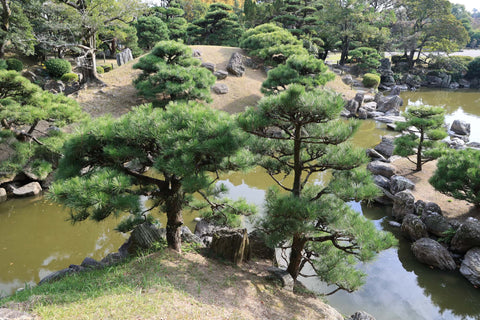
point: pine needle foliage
(105, 170)
(296, 134)
(425, 143)
(170, 73)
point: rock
(432, 253)
(390, 119)
(57, 275)
(474, 145)
(189, 237)
(7, 314)
(348, 80)
(403, 204)
(454, 85)
(362, 113)
(196, 53)
(361, 315)
(220, 88)
(374, 155)
(3, 194)
(395, 224)
(460, 127)
(395, 91)
(382, 181)
(399, 183)
(386, 146)
(28, 190)
(30, 75)
(424, 209)
(382, 168)
(467, 236)
(464, 83)
(359, 98)
(370, 106)
(221, 74)
(414, 227)
(456, 143)
(112, 258)
(470, 267)
(124, 56)
(143, 237)
(436, 224)
(231, 244)
(283, 276)
(204, 228)
(369, 98)
(235, 65)
(352, 107)
(208, 65)
(390, 105)
(54, 86)
(386, 199)
(258, 247)
(91, 263)
(375, 114)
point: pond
(35, 239)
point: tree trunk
(173, 207)
(419, 151)
(345, 45)
(298, 244)
(297, 161)
(411, 61)
(6, 14)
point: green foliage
(170, 73)
(3, 64)
(371, 80)
(427, 146)
(57, 67)
(365, 59)
(305, 70)
(174, 17)
(456, 66)
(474, 68)
(298, 133)
(14, 64)
(458, 175)
(69, 77)
(150, 30)
(230, 213)
(100, 70)
(448, 235)
(271, 43)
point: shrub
(14, 64)
(474, 68)
(100, 70)
(58, 67)
(456, 66)
(371, 80)
(366, 59)
(69, 77)
(3, 64)
(107, 68)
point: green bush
(69, 77)
(107, 68)
(14, 64)
(456, 66)
(100, 70)
(58, 67)
(366, 59)
(3, 64)
(474, 68)
(371, 80)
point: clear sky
(469, 4)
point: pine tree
(105, 170)
(296, 134)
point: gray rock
(221, 74)
(208, 65)
(470, 267)
(3, 194)
(235, 65)
(381, 181)
(399, 183)
(454, 85)
(204, 228)
(112, 258)
(424, 209)
(369, 98)
(403, 204)
(432, 253)
(258, 246)
(91, 263)
(124, 56)
(456, 143)
(436, 224)
(414, 227)
(382, 168)
(390, 119)
(352, 106)
(375, 155)
(395, 224)
(464, 83)
(386, 146)
(361, 315)
(460, 127)
(348, 80)
(220, 88)
(54, 86)
(375, 114)
(30, 75)
(57, 275)
(196, 53)
(395, 91)
(391, 105)
(231, 244)
(362, 113)
(467, 236)
(283, 276)
(28, 190)
(474, 145)
(370, 106)
(359, 98)
(189, 237)
(386, 199)
(143, 237)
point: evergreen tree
(15, 28)
(426, 145)
(458, 175)
(296, 134)
(104, 171)
(173, 16)
(170, 73)
(151, 30)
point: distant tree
(151, 30)
(219, 26)
(170, 73)
(15, 28)
(474, 68)
(173, 16)
(365, 59)
(426, 145)
(104, 172)
(194, 9)
(305, 70)
(296, 134)
(458, 175)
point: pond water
(36, 239)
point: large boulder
(403, 204)
(414, 227)
(28, 190)
(209, 66)
(54, 86)
(432, 253)
(424, 209)
(375, 155)
(348, 80)
(389, 119)
(390, 105)
(258, 246)
(382, 168)
(460, 127)
(235, 65)
(3, 194)
(231, 244)
(189, 237)
(381, 181)
(124, 56)
(143, 237)
(470, 267)
(400, 183)
(352, 106)
(220, 88)
(436, 224)
(221, 74)
(90, 263)
(467, 236)
(361, 315)
(386, 146)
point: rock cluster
(124, 56)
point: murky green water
(35, 239)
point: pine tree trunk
(419, 151)
(345, 46)
(298, 244)
(173, 206)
